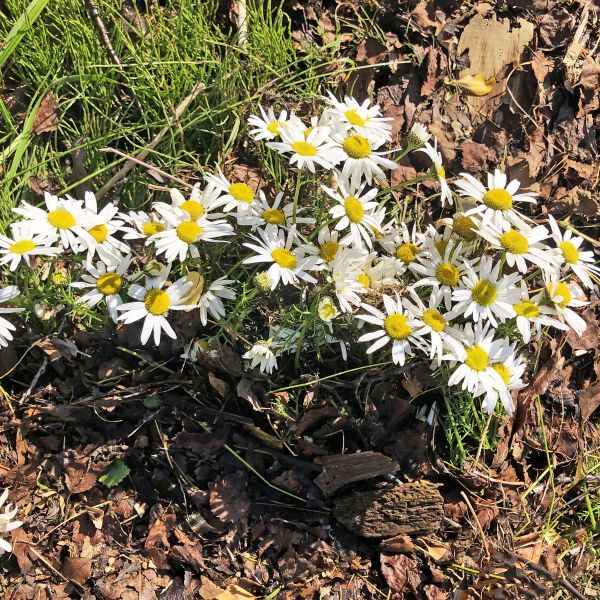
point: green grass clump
(165, 51)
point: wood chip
(340, 470)
(410, 508)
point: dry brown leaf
(77, 569)
(589, 400)
(401, 572)
(235, 592)
(477, 85)
(46, 117)
(218, 384)
(228, 498)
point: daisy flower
(141, 225)
(496, 200)
(395, 326)
(436, 159)
(328, 245)
(269, 126)
(486, 294)
(24, 243)
(532, 315)
(106, 282)
(461, 226)
(356, 211)
(563, 295)
(316, 148)
(377, 273)
(435, 325)
(475, 352)
(361, 118)
(510, 368)
(360, 158)
(184, 233)
(153, 304)
(262, 356)
(199, 203)
(570, 256)
(212, 300)
(234, 196)
(418, 135)
(262, 213)
(108, 248)
(520, 246)
(64, 218)
(443, 271)
(327, 310)
(289, 263)
(6, 327)
(347, 278)
(7, 523)
(404, 245)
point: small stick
(242, 23)
(148, 166)
(55, 571)
(103, 31)
(198, 88)
(484, 540)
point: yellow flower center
(365, 280)
(109, 283)
(304, 148)
(274, 127)
(484, 292)
(498, 199)
(157, 302)
(284, 258)
(570, 253)
(193, 208)
(503, 371)
(354, 209)
(354, 118)
(527, 309)
(188, 231)
(327, 310)
(61, 219)
(441, 172)
(407, 253)
(356, 146)
(477, 358)
(434, 319)
(515, 242)
(447, 274)
(99, 232)
(562, 290)
(397, 327)
(464, 227)
(241, 192)
(22, 246)
(329, 251)
(273, 216)
(151, 228)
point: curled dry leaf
(477, 85)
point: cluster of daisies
(466, 292)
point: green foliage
(114, 475)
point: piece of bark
(339, 470)
(410, 508)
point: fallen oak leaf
(46, 118)
(477, 85)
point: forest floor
(226, 486)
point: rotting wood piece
(407, 508)
(339, 470)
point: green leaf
(152, 402)
(116, 472)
